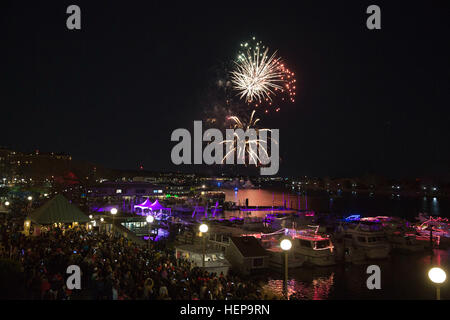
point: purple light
(266, 209)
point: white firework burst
(250, 145)
(257, 75)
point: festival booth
(155, 209)
(57, 212)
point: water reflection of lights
(318, 289)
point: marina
(330, 245)
(339, 243)
(208, 159)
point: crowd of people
(112, 268)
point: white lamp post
(437, 276)
(30, 199)
(113, 212)
(149, 220)
(27, 227)
(286, 245)
(203, 229)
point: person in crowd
(113, 268)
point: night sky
(111, 93)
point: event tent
(56, 210)
(148, 206)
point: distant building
(126, 193)
(120, 190)
(6, 162)
(246, 255)
(34, 165)
(145, 179)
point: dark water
(403, 276)
(406, 207)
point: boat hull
(377, 252)
(324, 261)
(276, 261)
(317, 258)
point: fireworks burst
(250, 144)
(260, 77)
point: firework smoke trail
(261, 78)
(219, 98)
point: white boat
(437, 226)
(405, 242)
(400, 234)
(279, 221)
(318, 250)
(277, 258)
(271, 242)
(348, 253)
(368, 237)
(308, 247)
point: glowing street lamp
(286, 245)
(113, 212)
(203, 229)
(437, 276)
(6, 203)
(27, 227)
(30, 198)
(90, 216)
